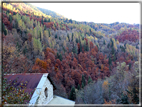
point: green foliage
(78, 87)
(25, 50)
(113, 51)
(59, 56)
(77, 40)
(18, 46)
(83, 81)
(16, 24)
(55, 35)
(72, 94)
(72, 36)
(104, 42)
(130, 65)
(14, 13)
(86, 48)
(12, 95)
(122, 48)
(5, 32)
(10, 18)
(48, 20)
(74, 50)
(42, 20)
(3, 27)
(89, 80)
(68, 37)
(37, 44)
(109, 61)
(124, 99)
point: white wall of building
(42, 98)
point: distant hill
(51, 13)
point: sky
(96, 12)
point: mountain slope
(51, 13)
(74, 53)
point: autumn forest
(89, 63)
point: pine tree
(60, 57)
(83, 81)
(42, 20)
(48, 20)
(55, 35)
(5, 32)
(87, 48)
(78, 87)
(76, 40)
(113, 51)
(72, 36)
(74, 50)
(10, 19)
(89, 80)
(3, 27)
(72, 94)
(25, 50)
(104, 42)
(109, 61)
(68, 37)
(16, 24)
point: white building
(42, 87)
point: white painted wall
(42, 98)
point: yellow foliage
(105, 84)
(96, 38)
(109, 102)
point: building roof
(32, 81)
(57, 100)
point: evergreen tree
(83, 81)
(72, 36)
(124, 99)
(114, 58)
(55, 35)
(89, 80)
(3, 27)
(80, 47)
(87, 48)
(108, 45)
(44, 27)
(109, 61)
(18, 46)
(76, 40)
(78, 87)
(45, 20)
(104, 42)
(113, 51)
(16, 24)
(48, 20)
(10, 19)
(5, 32)
(14, 13)
(74, 50)
(130, 66)
(42, 20)
(72, 94)
(82, 85)
(68, 37)
(25, 50)
(60, 57)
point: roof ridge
(24, 73)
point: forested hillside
(90, 63)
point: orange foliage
(105, 85)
